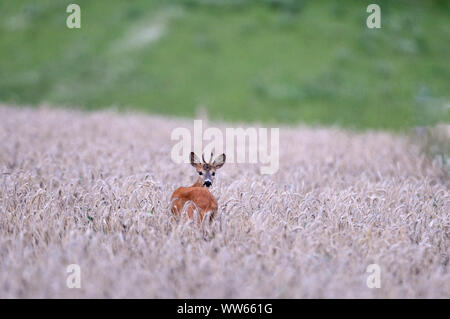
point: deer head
(207, 170)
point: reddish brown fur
(197, 197)
(200, 198)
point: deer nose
(207, 183)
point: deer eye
(200, 173)
(213, 174)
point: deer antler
(210, 159)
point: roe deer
(198, 197)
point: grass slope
(283, 61)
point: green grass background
(284, 61)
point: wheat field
(94, 189)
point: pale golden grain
(93, 189)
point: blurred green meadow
(277, 61)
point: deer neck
(198, 183)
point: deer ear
(194, 159)
(219, 161)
